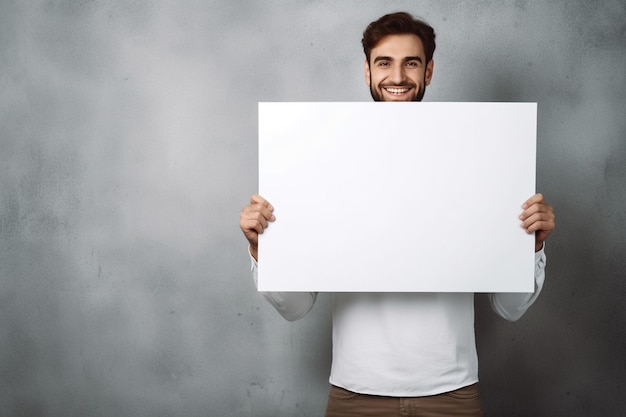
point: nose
(398, 74)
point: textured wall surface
(128, 146)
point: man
(412, 353)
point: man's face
(397, 70)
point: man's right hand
(254, 220)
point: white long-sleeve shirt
(405, 344)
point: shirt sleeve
(512, 306)
(291, 305)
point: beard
(417, 97)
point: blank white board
(397, 197)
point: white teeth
(397, 90)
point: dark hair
(399, 23)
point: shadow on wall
(566, 353)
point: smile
(397, 90)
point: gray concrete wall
(128, 146)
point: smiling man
(404, 354)
(396, 66)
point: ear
(429, 71)
(367, 73)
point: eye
(383, 64)
(412, 64)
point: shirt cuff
(253, 262)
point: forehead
(398, 46)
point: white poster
(397, 197)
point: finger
(258, 203)
(255, 210)
(257, 199)
(539, 221)
(539, 216)
(537, 208)
(254, 221)
(540, 227)
(259, 227)
(530, 211)
(537, 198)
(252, 229)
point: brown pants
(462, 402)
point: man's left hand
(537, 217)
